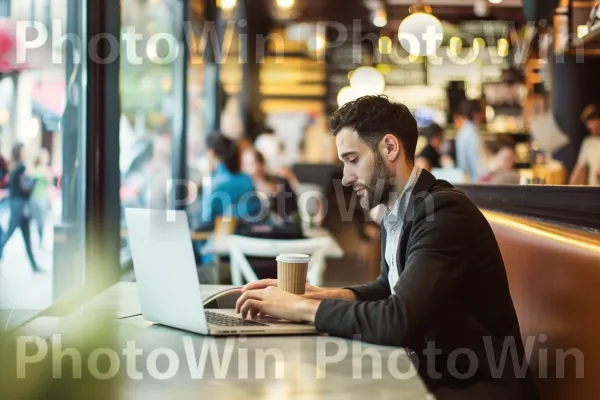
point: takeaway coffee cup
(291, 272)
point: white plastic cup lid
(293, 258)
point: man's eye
(354, 160)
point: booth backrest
(554, 277)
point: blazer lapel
(421, 190)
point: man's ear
(391, 148)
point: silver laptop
(167, 280)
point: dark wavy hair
(468, 109)
(500, 143)
(373, 117)
(225, 149)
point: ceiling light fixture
(503, 47)
(284, 10)
(421, 33)
(285, 4)
(227, 5)
(346, 95)
(317, 43)
(481, 8)
(380, 18)
(385, 45)
(582, 30)
(367, 81)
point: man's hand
(311, 292)
(277, 303)
(265, 283)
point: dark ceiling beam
(346, 11)
(349, 11)
(455, 13)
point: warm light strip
(581, 242)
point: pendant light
(421, 33)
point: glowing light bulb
(346, 95)
(285, 4)
(503, 47)
(367, 81)
(421, 34)
(380, 18)
(227, 5)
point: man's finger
(259, 284)
(249, 305)
(258, 294)
(241, 300)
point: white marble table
(219, 246)
(132, 358)
(122, 299)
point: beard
(379, 186)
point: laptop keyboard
(225, 320)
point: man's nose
(348, 179)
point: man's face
(459, 121)
(593, 126)
(506, 158)
(364, 169)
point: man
(468, 145)
(430, 156)
(442, 286)
(587, 170)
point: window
(46, 115)
(150, 100)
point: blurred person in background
(469, 148)
(587, 170)
(227, 193)
(4, 175)
(268, 144)
(21, 186)
(276, 159)
(40, 198)
(502, 164)
(430, 156)
(281, 197)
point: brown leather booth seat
(554, 277)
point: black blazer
(452, 294)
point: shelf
(577, 45)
